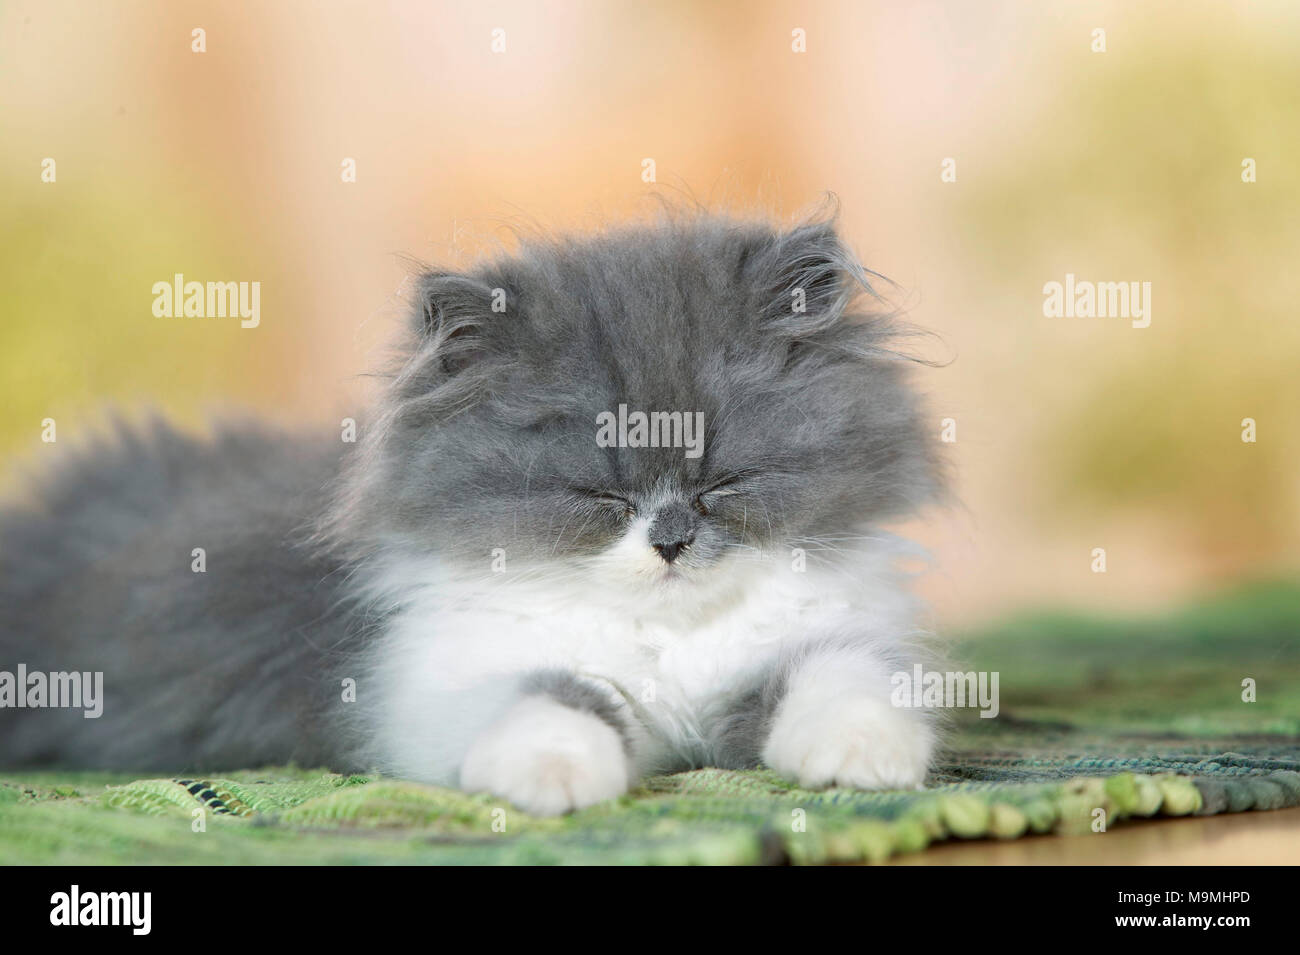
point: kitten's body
(682, 673)
(215, 669)
(523, 609)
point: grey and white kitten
(516, 606)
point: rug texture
(1100, 722)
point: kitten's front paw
(860, 742)
(547, 759)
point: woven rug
(1101, 722)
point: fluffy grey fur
(578, 694)
(810, 410)
(215, 669)
(484, 435)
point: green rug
(1104, 720)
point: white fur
(835, 726)
(671, 644)
(547, 758)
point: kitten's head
(515, 427)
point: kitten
(511, 584)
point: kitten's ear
(454, 312)
(807, 278)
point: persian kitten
(614, 514)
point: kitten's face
(507, 439)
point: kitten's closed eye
(605, 499)
(727, 486)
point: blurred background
(1071, 433)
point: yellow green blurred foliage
(1138, 175)
(79, 333)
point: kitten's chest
(680, 667)
(677, 678)
(681, 664)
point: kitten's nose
(669, 552)
(672, 531)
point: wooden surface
(1247, 838)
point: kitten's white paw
(547, 759)
(858, 741)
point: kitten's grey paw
(547, 759)
(859, 742)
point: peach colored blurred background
(1072, 433)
